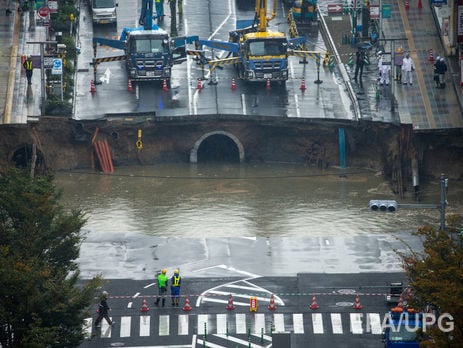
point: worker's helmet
(164, 271)
(176, 271)
(105, 294)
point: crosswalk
(238, 324)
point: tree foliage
(42, 303)
(436, 277)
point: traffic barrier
(431, 56)
(253, 304)
(303, 88)
(199, 85)
(357, 304)
(351, 59)
(271, 305)
(165, 88)
(129, 86)
(314, 304)
(233, 84)
(407, 5)
(230, 306)
(144, 307)
(268, 85)
(187, 307)
(92, 86)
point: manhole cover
(346, 291)
(344, 304)
(117, 344)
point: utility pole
(42, 71)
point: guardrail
(332, 47)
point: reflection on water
(224, 200)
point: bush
(54, 106)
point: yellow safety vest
(176, 281)
(28, 65)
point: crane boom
(261, 14)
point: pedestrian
(407, 68)
(442, 69)
(398, 60)
(176, 280)
(162, 287)
(379, 59)
(436, 68)
(159, 4)
(103, 310)
(29, 69)
(385, 71)
(359, 63)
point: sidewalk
(421, 104)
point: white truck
(104, 11)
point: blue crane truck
(149, 52)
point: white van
(104, 11)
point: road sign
(57, 68)
(386, 11)
(335, 8)
(43, 11)
(374, 12)
(53, 6)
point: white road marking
(336, 323)
(129, 305)
(317, 323)
(239, 341)
(105, 329)
(136, 295)
(356, 323)
(88, 327)
(374, 323)
(125, 326)
(279, 322)
(298, 323)
(149, 285)
(259, 324)
(240, 323)
(164, 325)
(183, 324)
(202, 323)
(145, 325)
(221, 323)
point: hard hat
(105, 294)
(176, 271)
(164, 271)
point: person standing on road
(175, 281)
(162, 287)
(398, 61)
(359, 62)
(407, 68)
(103, 310)
(385, 71)
(29, 69)
(441, 69)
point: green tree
(42, 302)
(436, 277)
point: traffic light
(383, 205)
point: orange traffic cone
(267, 85)
(92, 86)
(357, 304)
(303, 85)
(271, 305)
(187, 306)
(199, 86)
(144, 307)
(314, 304)
(233, 84)
(129, 86)
(407, 5)
(230, 306)
(164, 86)
(431, 56)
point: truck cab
(104, 11)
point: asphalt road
(334, 324)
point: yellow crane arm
(261, 13)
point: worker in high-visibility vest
(162, 287)
(159, 4)
(175, 282)
(29, 69)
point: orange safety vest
(28, 65)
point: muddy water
(223, 200)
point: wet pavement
(422, 104)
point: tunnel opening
(218, 148)
(22, 158)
